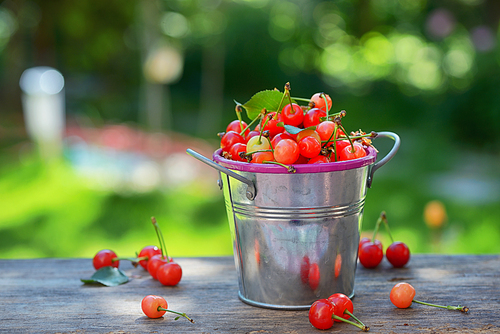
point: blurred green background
(144, 80)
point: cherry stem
(346, 311)
(364, 328)
(377, 226)
(290, 169)
(383, 216)
(249, 125)
(300, 99)
(285, 93)
(463, 309)
(163, 247)
(178, 313)
(326, 104)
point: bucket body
(297, 240)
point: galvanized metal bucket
(295, 235)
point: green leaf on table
(269, 99)
(109, 276)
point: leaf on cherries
(268, 99)
(295, 130)
(109, 276)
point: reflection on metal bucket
(295, 235)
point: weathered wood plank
(46, 296)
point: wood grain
(46, 296)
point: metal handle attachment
(251, 191)
(384, 160)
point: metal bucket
(295, 235)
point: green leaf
(269, 99)
(294, 130)
(109, 276)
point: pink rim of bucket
(300, 169)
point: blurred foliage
(428, 70)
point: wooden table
(46, 296)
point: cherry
(306, 133)
(312, 117)
(156, 306)
(348, 154)
(398, 253)
(280, 136)
(257, 143)
(319, 159)
(323, 313)
(319, 101)
(314, 276)
(325, 130)
(156, 262)
(309, 147)
(286, 151)
(235, 151)
(169, 273)
(402, 295)
(272, 124)
(149, 252)
(320, 314)
(260, 157)
(229, 139)
(238, 126)
(105, 258)
(292, 114)
(370, 254)
(345, 308)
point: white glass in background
(44, 108)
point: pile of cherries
(294, 134)
(371, 253)
(153, 259)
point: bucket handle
(251, 191)
(384, 160)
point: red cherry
(286, 151)
(104, 258)
(314, 276)
(150, 305)
(280, 136)
(169, 274)
(229, 139)
(154, 263)
(235, 151)
(348, 154)
(364, 241)
(312, 117)
(398, 254)
(309, 147)
(238, 127)
(292, 114)
(325, 130)
(319, 159)
(370, 254)
(272, 124)
(320, 314)
(402, 295)
(343, 304)
(260, 157)
(319, 101)
(148, 251)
